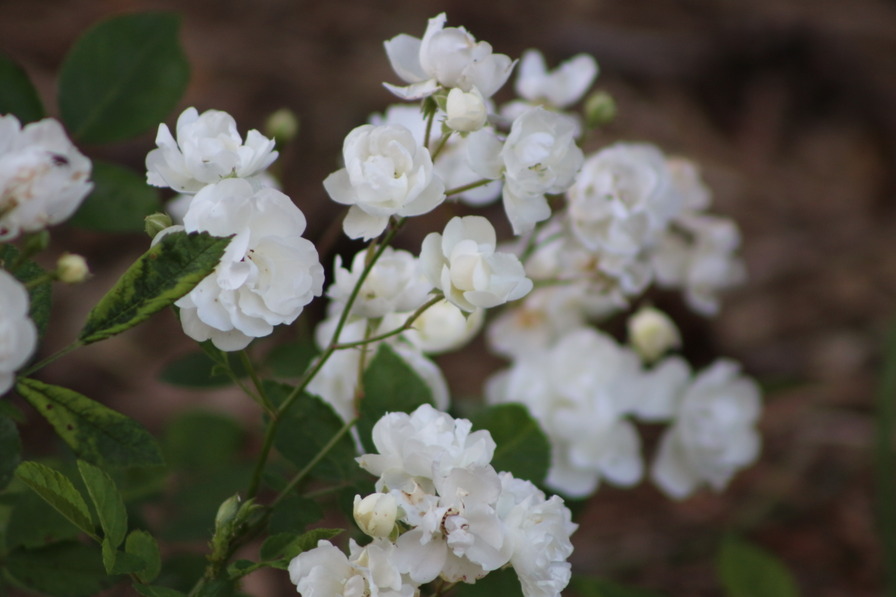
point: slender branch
(442, 142)
(429, 122)
(463, 188)
(403, 327)
(51, 358)
(259, 388)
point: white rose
(465, 110)
(18, 334)
(268, 272)
(560, 88)
(462, 262)
(376, 514)
(394, 284)
(714, 433)
(622, 199)
(444, 327)
(208, 149)
(449, 57)
(43, 177)
(387, 173)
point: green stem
(429, 122)
(262, 398)
(314, 461)
(41, 364)
(442, 142)
(403, 327)
(318, 364)
(479, 183)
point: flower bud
(600, 109)
(227, 511)
(72, 269)
(282, 125)
(466, 110)
(155, 223)
(652, 333)
(376, 514)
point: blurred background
(789, 106)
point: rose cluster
(441, 511)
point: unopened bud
(72, 269)
(376, 514)
(282, 126)
(465, 111)
(155, 223)
(652, 333)
(227, 511)
(600, 109)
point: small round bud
(155, 223)
(600, 109)
(72, 269)
(652, 333)
(376, 514)
(465, 110)
(282, 126)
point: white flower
(208, 149)
(387, 173)
(661, 388)
(449, 57)
(538, 530)
(463, 264)
(539, 156)
(376, 514)
(579, 390)
(622, 199)
(561, 87)
(444, 327)
(369, 571)
(652, 333)
(714, 432)
(43, 177)
(268, 272)
(413, 449)
(394, 284)
(18, 334)
(465, 110)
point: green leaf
(279, 549)
(18, 95)
(107, 501)
(62, 569)
(35, 523)
(522, 447)
(119, 201)
(144, 546)
(122, 77)
(390, 385)
(500, 582)
(39, 295)
(96, 433)
(56, 489)
(595, 587)
(153, 591)
(293, 514)
(119, 562)
(306, 428)
(291, 360)
(10, 450)
(748, 571)
(199, 370)
(202, 440)
(168, 271)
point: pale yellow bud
(282, 125)
(652, 333)
(72, 269)
(376, 514)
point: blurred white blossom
(18, 334)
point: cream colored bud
(600, 109)
(376, 514)
(466, 110)
(72, 269)
(282, 125)
(652, 333)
